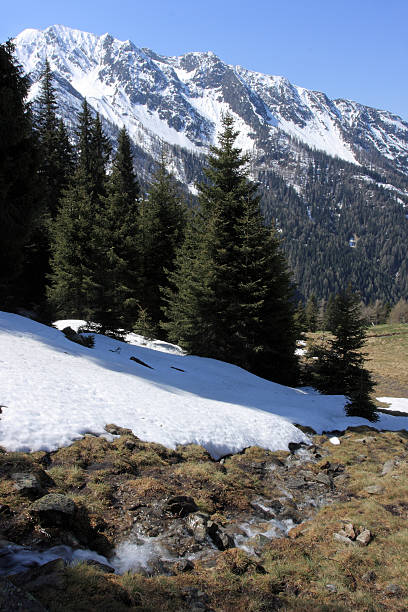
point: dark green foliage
(231, 296)
(99, 158)
(312, 313)
(56, 152)
(340, 201)
(300, 320)
(56, 166)
(162, 223)
(78, 257)
(19, 180)
(117, 242)
(73, 261)
(339, 368)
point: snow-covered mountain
(332, 173)
(181, 99)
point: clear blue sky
(350, 49)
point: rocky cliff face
(181, 99)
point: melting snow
(53, 391)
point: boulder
(14, 598)
(50, 574)
(364, 537)
(221, 539)
(388, 467)
(28, 483)
(341, 537)
(53, 510)
(197, 524)
(180, 505)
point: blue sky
(350, 49)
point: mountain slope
(331, 171)
(53, 391)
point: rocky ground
(321, 527)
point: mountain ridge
(331, 172)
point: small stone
(197, 524)
(364, 537)
(27, 484)
(388, 467)
(334, 440)
(369, 576)
(393, 589)
(374, 489)
(324, 479)
(341, 537)
(349, 531)
(184, 565)
(181, 505)
(332, 588)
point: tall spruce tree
(118, 243)
(231, 295)
(19, 178)
(56, 151)
(312, 313)
(161, 225)
(76, 288)
(55, 169)
(339, 368)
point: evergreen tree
(19, 178)
(161, 225)
(56, 151)
(118, 245)
(232, 296)
(72, 290)
(99, 158)
(339, 368)
(77, 258)
(312, 313)
(55, 168)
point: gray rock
(374, 489)
(296, 483)
(332, 588)
(221, 539)
(53, 509)
(388, 467)
(364, 537)
(369, 576)
(50, 574)
(341, 537)
(262, 508)
(181, 505)
(28, 484)
(348, 531)
(197, 524)
(324, 479)
(393, 589)
(13, 599)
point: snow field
(54, 391)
